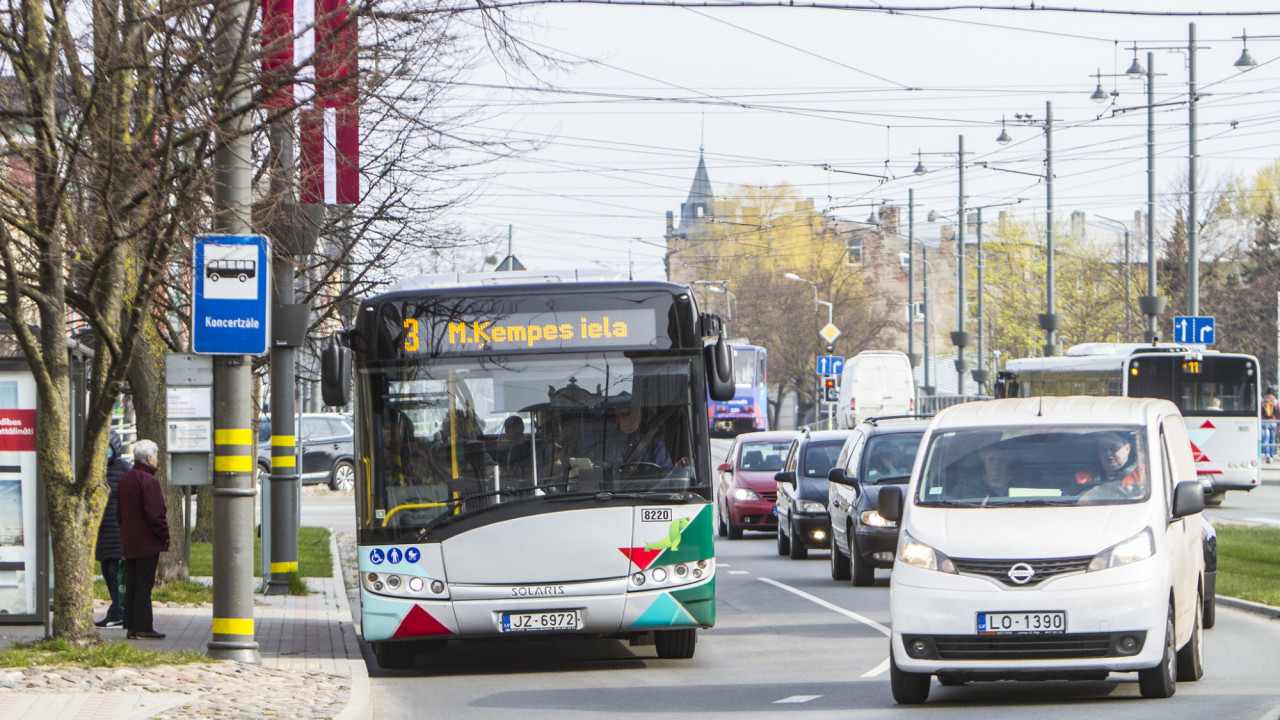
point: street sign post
(1194, 330)
(830, 365)
(230, 295)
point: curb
(358, 706)
(1249, 606)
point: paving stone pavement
(311, 668)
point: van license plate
(992, 623)
(540, 621)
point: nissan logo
(1021, 573)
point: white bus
(532, 457)
(1216, 392)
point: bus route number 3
(655, 515)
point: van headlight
(871, 518)
(915, 553)
(1138, 547)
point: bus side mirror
(335, 372)
(719, 362)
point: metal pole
(911, 276)
(1050, 322)
(961, 337)
(928, 359)
(981, 316)
(283, 529)
(233, 461)
(1128, 311)
(1193, 252)
(1150, 311)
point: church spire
(697, 208)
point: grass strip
(112, 654)
(1249, 563)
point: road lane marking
(739, 572)
(884, 665)
(796, 699)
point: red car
(746, 490)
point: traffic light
(830, 392)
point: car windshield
(890, 457)
(1029, 467)
(763, 456)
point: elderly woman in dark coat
(110, 550)
(144, 529)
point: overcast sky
(778, 95)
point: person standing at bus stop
(109, 551)
(144, 532)
(1269, 421)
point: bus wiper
(607, 495)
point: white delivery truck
(875, 383)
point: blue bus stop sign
(1193, 330)
(230, 295)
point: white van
(1048, 538)
(875, 383)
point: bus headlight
(674, 575)
(405, 586)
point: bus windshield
(1198, 385)
(459, 437)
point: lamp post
(1050, 320)
(720, 286)
(928, 388)
(816, 303)
(1127, 313)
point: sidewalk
(311, 668)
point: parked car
(1087, 559)
(746, 490)
(325, 443)
(877, 453)
(802, 491)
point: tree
(110, 125)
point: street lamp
(720, 286)
(1124, 227)
(816, 303)
(928, 388)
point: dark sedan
(878, 453)
(802, 491)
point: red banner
(17, 430)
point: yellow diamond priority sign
(829, 333)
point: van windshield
(1034, 467)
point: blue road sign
(230, 295)
(1192, 329)
(830, 365)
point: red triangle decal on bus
(1208, 424)
(418, 623)
(640, 556)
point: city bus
(499, 493)
(748, 409)
(1216, 392)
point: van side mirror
(719, 362)
(1188, 498)
(335, 374)
(889, 504)
(786, 478)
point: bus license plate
(990, 623)
(540, 621)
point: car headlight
(875, 519)
(745, 494)
(913, 552)
(1138, 547)
(812, 506)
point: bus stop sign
(1194, 330)
(230, 295)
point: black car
(1210, 542)
(326, 452)
(802, 491)
(877, 453)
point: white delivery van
(875, 383)
(1048, 538)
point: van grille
(1045, 568)
(1067, 646)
